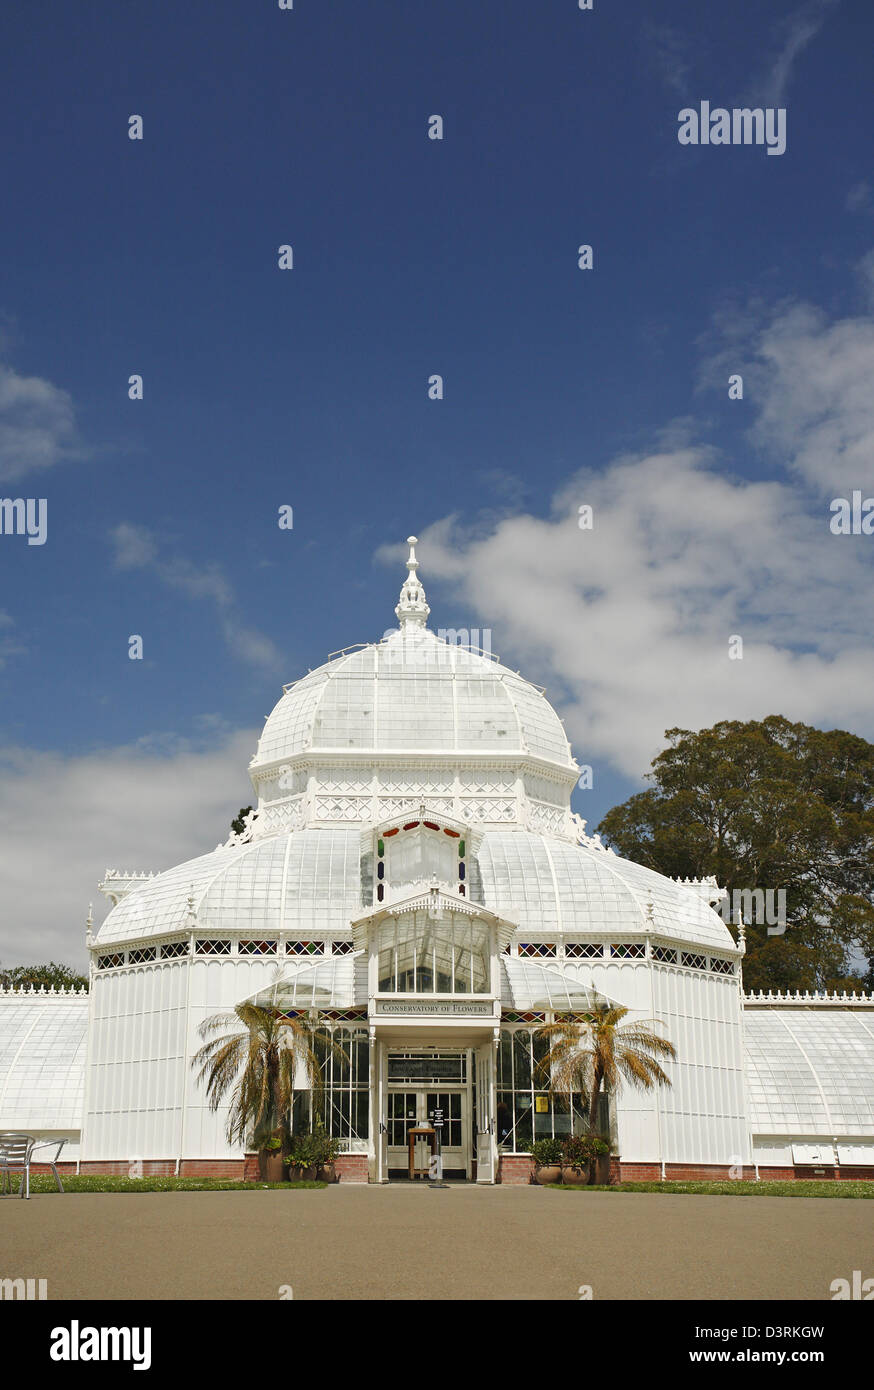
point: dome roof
(414, 692)
(309, 882)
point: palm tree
(603, 1049)
(258, 1066)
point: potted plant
(325, 1151)
(586, 1159)
(599, 1165)
(547, 1155)
(270, 1159)
(575, 1159)
(303, 1157)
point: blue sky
(309, 387)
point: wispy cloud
(9, 645)
(37, 424)
(669, 52)
(135, 547)
(859, 198)
(793, 33)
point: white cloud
(629, 623)
(65, 820)
(817, 403)
(37, 425)
(808, 379)
(135, 547)
(859, 197)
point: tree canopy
(51, 975)
(773, 805)
(238, 824)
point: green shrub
(578, 1150)
(546, 1152)
(314, 1149)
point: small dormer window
(420, 851)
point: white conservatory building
(414, 874)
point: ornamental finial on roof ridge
(412, 609)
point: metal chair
(57, 1145)
(15, 1152)
(16, 1155)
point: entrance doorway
(411, 1102)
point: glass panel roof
(329, 984)
(42, 1062)
(530, 986)
(810, 1071)
(552, 885)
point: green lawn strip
(732, 1189)
(44, 1182)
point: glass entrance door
(408, 1108)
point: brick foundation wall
(232, 1169)
(714, 1172)
(121, 1167)
(515, 1170)
(352, 1168)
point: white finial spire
(412, 610)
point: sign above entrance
(428, 1068)
(435, 1008)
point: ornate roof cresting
(578, 828)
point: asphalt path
(417, 1242)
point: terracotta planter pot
(327, 1173)
(547, 1173)
(600, 1170)
(308, 1174)
(271, 1165)
(575, 1177)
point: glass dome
(414, 692)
